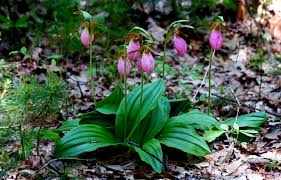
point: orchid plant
(143, 119)
(216, 42)
(87, 37)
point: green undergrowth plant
(257, 61)
(240, 128)
(26, 103)
(28, 97)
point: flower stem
(164, 58)
(93, 90)
(140, 106)
(142, 79)
(209, 90)
(125, 90)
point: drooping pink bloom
(216, 39)
(133, 50)
(121, 69)
(147, 62)
(85, 37)
(180, 45)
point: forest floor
(258, 89)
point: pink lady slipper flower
(85, 37)
(180, 45)
(133, 50)
(147, 62)
(121, 69)
(216, 39)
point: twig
(237, 101)
(237, 113)
(111, 169)
(58, 159)
(201, 84)
(245, 105)
(78, 85)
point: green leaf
(249, 132)
(169, 36)
(254, 120)
(97, 118)
(186, 139)
(236, 126)
(23, 50)
(110, 104)
(152, 147)
(100, 20)
(173, 24)
(50, 135)
(194, 119)
(90, 71)
(105, 110)
(230, 4)
(53, 62)
(152, 125)
(3, 19)
(142, 31)
(128, 119)
(13, 53)
(224, 127)
(180, 106)
(101, 28)
(86, 15)
(186, 26)
(85, 138)
(69, 124)
(55, 56)
(27, 143)
(197, 68)
(218, 18)
(21, 22)
(211, 135)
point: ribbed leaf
(85, 138)
(110, 104)
(152, 93)
(159, 116)
(152, 147)
(86, 15)
(211, 135)
(185, 139)
(97, 118)
(69, 124)
(254, 120)
(179, 106)
(105, 111)
(194, 119)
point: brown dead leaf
(274, 155)
(274, 135)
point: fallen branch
(245, 105)
(58, 159)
